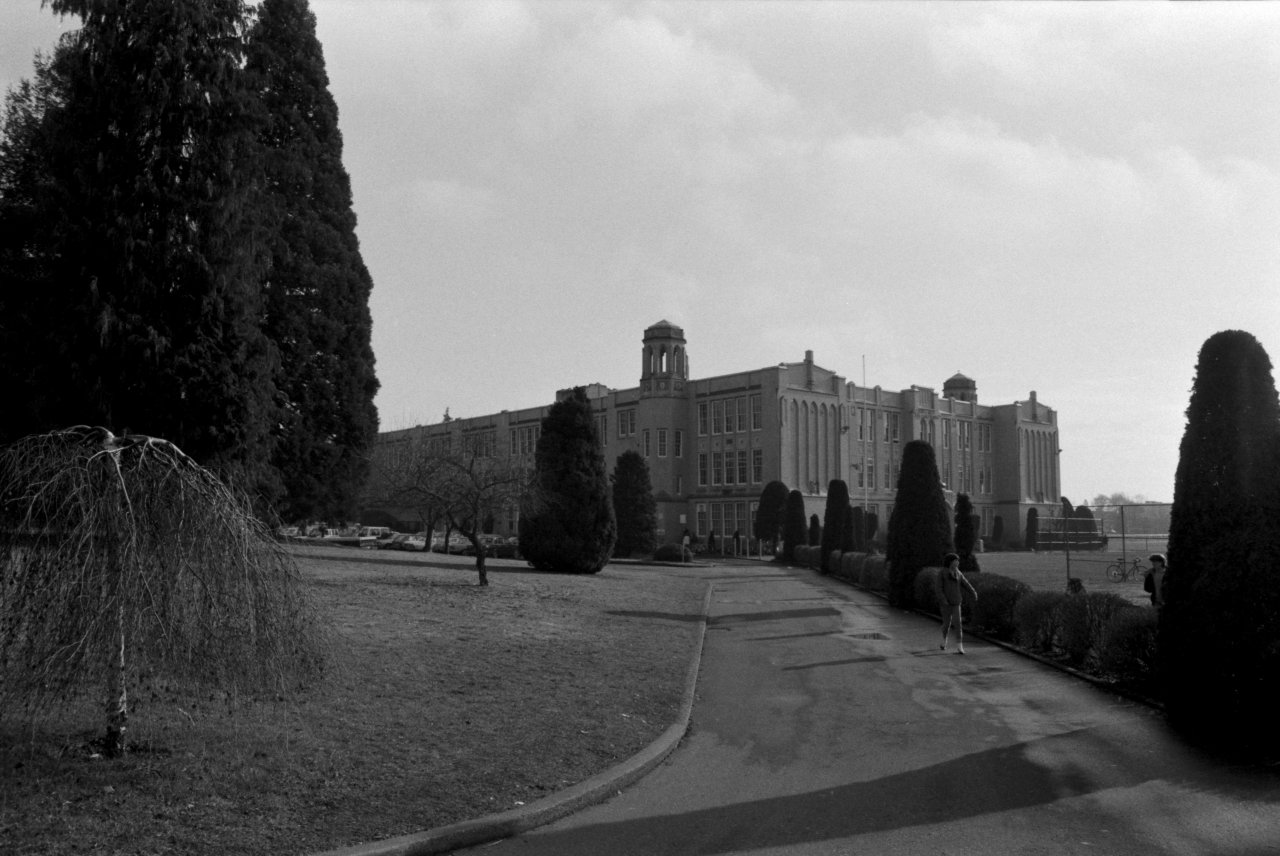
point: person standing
(952, 579)
(1159, 565)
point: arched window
(662, 360)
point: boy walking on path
(951, 582)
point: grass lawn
(1048, 571)
(446, 701)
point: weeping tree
(124, 561)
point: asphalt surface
(827, 722)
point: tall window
(757, 413)
(644, 442)
(602, 423)
(679, 444)
(862, 423)
(662, 442)
(702, 419)
(946, 433)
(893, 427)
(717, 468)
(871, 473)
(700, 516)
(757, 466)
(626, 423)
(717, 417)
(742, 466)
(702, 469)
(741, 406)
(729, 471)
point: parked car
(392, 541)
(414, 543)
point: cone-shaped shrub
(966, 537)
(919, 527)
(1219, 633)
(771, 513)
(634, 506)
(833, 518)
(795, 531)
(568, 523)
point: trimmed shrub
(834, 518)
(1035, 618)
(928, 590)
(998, 596)
(875, 574)
(849, 566)
(833, 562)
(1082, 619)
(771, 512)
(794, 533)
(919, 525)
(815, 530)
(669, 553)
(1128, 649)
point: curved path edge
(598, 788)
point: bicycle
(1120, 571)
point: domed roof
(959, 379)
(664, 328)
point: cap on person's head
(949, 558)
(1157, 557)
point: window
(700, 516)
(515, 441)
(644, 442)
(717, 468)
(602, 423)
(679, 447)
(626, 423)
(741, 406)
(871, 473)
(893, 427)
(862, 423)
(717, 417)
(742, 466)
(730, 472)
(757, 413)
(757, 466)
(886, 426)
(679, 485)
(702, 469)
(702, 419)
(946, 433)
(861, 483)
(662, 442)
(966, 435)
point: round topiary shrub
(994, 610)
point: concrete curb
(469, 833)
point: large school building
(713, 443)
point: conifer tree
(1219, 634)
(771, 512)
(146, 268)
(966, 537)
(919, 526)
(834, 519)
(633, 505)
(568, 523)
(795, 529)
(317, 287)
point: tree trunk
(114, 744)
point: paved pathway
(828, 723)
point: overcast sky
(1053, 197)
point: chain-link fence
(1101, 543)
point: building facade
(713, 443)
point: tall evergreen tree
(317, 288)
(919, 526)
(568, 523)
(634, 506)
(1219, 636)
(966, 535)
(834, 518)
(771, 512)
(149, 302)
(795, 529)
